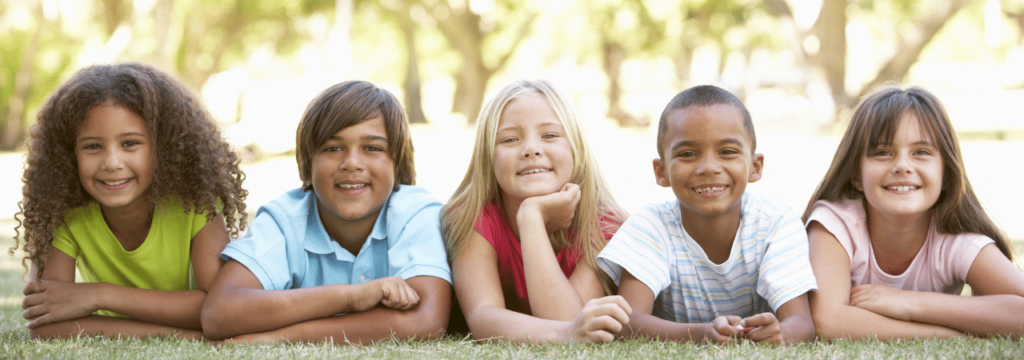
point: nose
(709, 165)
(530, 148)
(901, 164)
(112, 161)
(351, 161)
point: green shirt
(162, 262)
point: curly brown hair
(192, 161)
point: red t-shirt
(493, 227)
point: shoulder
(658, 212)
(409, 200)
(760, 209)
(294, 202)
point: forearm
(492, 323)
(797, 328)
(845, 321)
(109, 326)
(231, 312)
(987, 315)
(552, 296)
(179, 309)
(363, 328)
(647, 325)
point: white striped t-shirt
(768, 264)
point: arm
(57, 307)
(425, 321)
(552, 295)
(478, 287)
(642, 323)
(998, 310)
(238, 304)
(834, 316)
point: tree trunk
(15, 130)
(831, 32)
(909, 49)
(411, 85)
(613, 56)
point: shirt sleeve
(264, 250)
(640, 247)
(418, 249)
(825, 213)
(62, 241)
(785, 270)
(965, 248)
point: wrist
(96, 295)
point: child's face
(532, 155)
(905, 177)
(353, 174)
(707, 159)
(115, 157)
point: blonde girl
(524, 227)
(896, 230)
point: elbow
(423, 325)
(213, 320)
(826, 324)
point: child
(350, 241)
(124, 179)
(714, 264)
(896, 230)
(524, 226)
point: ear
(855, 181)
(659, 172)
(756, 167)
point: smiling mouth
(351, 186)
(533, 171)
(902, 188)
(709, 189)
(115, 183)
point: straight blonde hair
(480, 187)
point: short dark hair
(347, 104)
(704, 95)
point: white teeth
(534, 171)
(709, 189)
(902, 188)
(351, 186)
(115, 183)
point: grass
(15, 343)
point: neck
(129, 224)
(351, 235)
(714, 234)
(511, 208)
(897, 239)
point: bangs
(887, 115)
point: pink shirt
(940, 266)
(492, 226)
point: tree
(626, 29)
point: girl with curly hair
(128, 179)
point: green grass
(15, 343)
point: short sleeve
(964, 249)
(826, 214)
(62, 241)
(785, 270)
(418, 249)
(198, 221)
(641, 247)
(264, 250)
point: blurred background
(799, 65)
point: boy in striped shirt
(715, 263)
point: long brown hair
(874, 122)
(192, 161)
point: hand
(391, 291)
(764, 327)
(599, 320)
(557, 208)
(50, 301)
(883, 300)
(724, 329)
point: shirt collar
(317, 240)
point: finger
(714, 336)
(31, 300)
(33, 312)
(762, 319)
(603, 323)
(615, 312)
(601, 336)
(32, 287)
(763, 333)
(39, 321)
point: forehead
(705, 124)
(907, 128)
(531, 109)
(373, 126)
(109, 117)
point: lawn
(14, 343)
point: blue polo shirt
(287, 246)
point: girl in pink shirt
(525, 226)
(896, 230)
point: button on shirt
(287, 246)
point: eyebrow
(728, 140)
(86, 138)
(364, 138)
(539, 125)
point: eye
(922, 152)
(549, 136)
(881, 152)
(686, 153)
(91, 147)
(130, 143)
(373, 148)
(508, 140)
(332, 149)
(730, 152)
